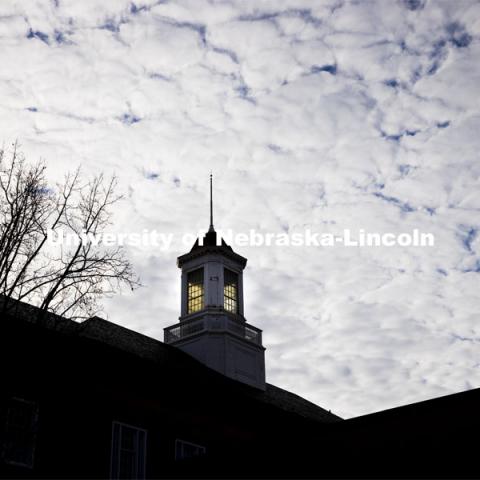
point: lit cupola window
(196, 291)
(230, 291)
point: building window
(195, 291)
(20, 432)
(128, 451)
(230, 291)
(185, 450)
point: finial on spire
(211, 229)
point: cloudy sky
(321, 114)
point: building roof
(453, 405)
(150, 349)
(209, 245)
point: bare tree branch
(69, 281)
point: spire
(211, 229)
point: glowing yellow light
(196, 291)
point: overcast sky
(312, 114)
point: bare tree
(67, 280)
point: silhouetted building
(97, 400)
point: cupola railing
(215, 324)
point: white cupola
(212, 327)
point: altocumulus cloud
(326, 115)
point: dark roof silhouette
(92, 373)
(122, 338)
